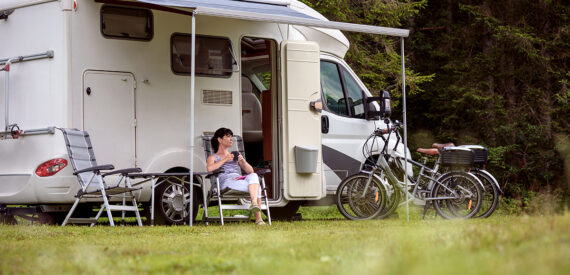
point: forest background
(488, 72)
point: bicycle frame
(383, 166)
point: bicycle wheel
(457, 195)
(393, 198)
(358, 201)
(490, 194)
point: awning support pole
(192, 84)
(405, 130)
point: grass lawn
(323, 243)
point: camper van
(121, 70)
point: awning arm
(192, 118)
(404, 114)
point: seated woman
(231, 177)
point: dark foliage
(485, 72)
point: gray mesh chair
(92, 183)
(212, 192)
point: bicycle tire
(355, 203)
(393, 198)
(490, 194)
(466, 190)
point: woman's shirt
(231, 169)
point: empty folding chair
(213, 190)
(92, 183)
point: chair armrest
(95, 168)
(262, 171)
(124, 172)
(215, 173)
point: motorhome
(121, 70)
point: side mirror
(383, 100)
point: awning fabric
(273, 13)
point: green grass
(322, 243)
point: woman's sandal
(254, 208)
(260, 222)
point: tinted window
(213, 55)
(332, 88)
(354, 93)
(126, 23)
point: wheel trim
(174, 204)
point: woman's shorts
(242, 185)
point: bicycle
(376, 191)
(492, 188)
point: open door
(301, 128)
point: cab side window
(354, 93)
(331, 86)
(341, 93)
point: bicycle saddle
(440, 146)
(429, 151)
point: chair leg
(205, 203)
(139, 222)
(123, 212)
(266, 200)
(220, 202)
(98, 214)
(71, 211)
(128, 183)
(106, 205)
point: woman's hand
(244, 165)
(240, 158)
(228, 157)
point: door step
(82, 220)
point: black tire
(55, 218)
(393, 199)
(287, 212)
(358, 201)
(8, 219)
(466, 190)
(490, 194)
(171, 207)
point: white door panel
(302, 126)
(109, 116)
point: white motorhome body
(120, 70)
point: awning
(274, 13)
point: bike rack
(13, 130)
(15, 134)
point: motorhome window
(331, 85)
(213, 55)
(126, 23)
(354, 93)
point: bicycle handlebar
(393, 127)
(396, 125)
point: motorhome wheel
(172, 203)
(7, 219)
(286, 212)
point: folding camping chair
(92, 182)
(213, 191)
